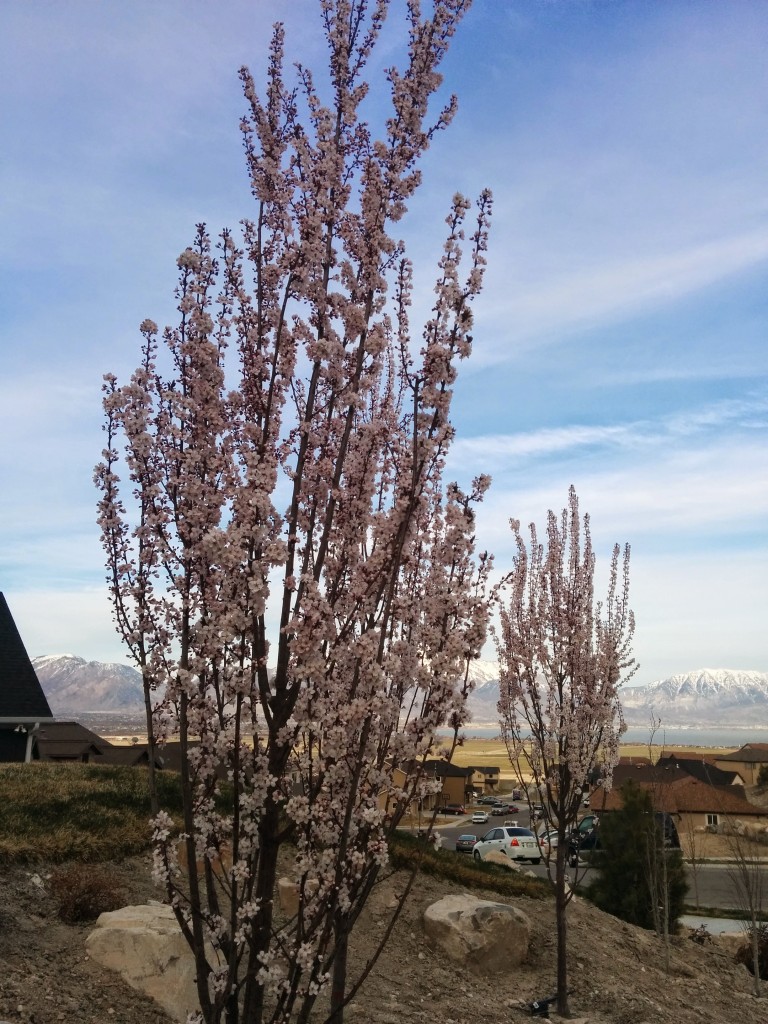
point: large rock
(487, 937)
(145, 945)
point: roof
(685, 755)
(485, 769)
(21, 695)
(692, 795)
(753, 753)
(702, 770)
(443, 769)
(56, 741)
(645, 773)
(681, 795)
(133, 755)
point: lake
(671, 738)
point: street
(716, 887)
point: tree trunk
(561, 907)
(154, 802)
(339, 980)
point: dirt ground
(617, 970)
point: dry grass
(485, 752)
(57, 812)
(84, 892)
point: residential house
(747, 761)
(695, 805)
(68, 741)
(485, 778)
(23, 705)
(456, 784)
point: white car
(549, 837)
(514, 842)
(479, 818)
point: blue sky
(620, 340)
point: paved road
(715, 883)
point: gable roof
(702, 770)
(21, 695)
(681, 795)
(444, 769)
(754, 753)
(61, 741)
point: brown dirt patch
(617, 971)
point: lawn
(58, 812)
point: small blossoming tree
(289, 569)
(561, 660)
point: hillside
(617, 974)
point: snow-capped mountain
(707, 697)
(484, 698)
(73, 684)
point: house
(747, 761)
(23, 705)
(68, 741)
(700, 806)
(695, 805)
(456, 784)
(485, 778)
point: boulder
(497, 857)
(488, 937)
(288, 894)
(145, 946)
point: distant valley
(705, 698)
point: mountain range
(73, 685)
(705, 698)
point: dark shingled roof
(21, 695)
(700, 769)
(69, 741)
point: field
(492, 753)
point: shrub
(84, 892)
(638, 872)
(407, 851)
(744, 953)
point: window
(712, 820)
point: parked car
(582, 846)
(453, 809)
(479, 818)
(667, 824)
(587, 823)
(514, 842)
(549, 837)
(466, 843)
(505, 808)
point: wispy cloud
(612, 291)
(507, 450)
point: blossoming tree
(288, 568)
(562, 657)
